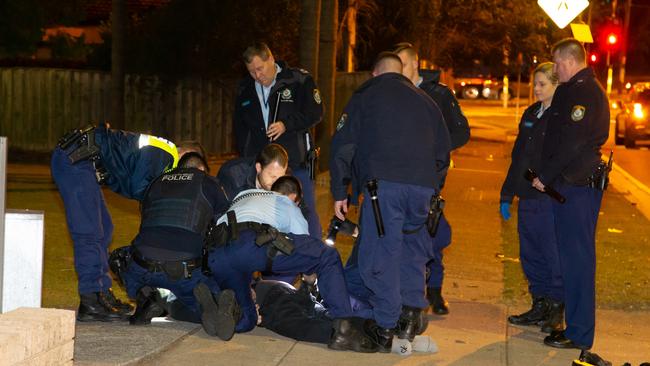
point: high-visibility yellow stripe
(162, 144)
(581, 363)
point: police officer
(537, 242)
(429, 81)
(256, 214)
(276, 103)
(571, 164)
(167, 252)
(393, 132)
(126, 162)
(260, 172)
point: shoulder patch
(577, 113)
(341, 122)
(303, 71)
(317, 96)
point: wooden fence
(37, 106)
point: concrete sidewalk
(474, 333)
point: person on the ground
(177, 209)
(571, 164)
(126, 162)
(459, 133)
(266, 231)
(536, 224)
(276, 103)
(393, 135)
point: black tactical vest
(176, 199)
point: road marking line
(478, 171)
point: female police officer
(537, 242)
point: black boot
(438, 304)
(149, 304)
(348, 335)
(95, 307)
(537, 314)
(122, 307)
(218, 318)
(423, 323)
(589, 358)
(409, 323)
(382, 337)
(555, 320)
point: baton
(372, 189)
(530, 175)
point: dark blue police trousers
(391, 270)
(439, 242)
(89, 222)
(309, 196)
(538, 248)
(136, 277)
(575, 228)
(233, 265)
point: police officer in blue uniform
(276, 103)
(571, 164)
(126, 162)
(459, 133)
(168, 250)
(391, 132)
(260, 172)
(537, 243)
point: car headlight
(638, 111)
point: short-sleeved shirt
(266, 207)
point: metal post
(610, 73)
(3, 192)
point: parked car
(478, 87)
(632, 122)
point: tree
(327, 74)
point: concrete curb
(634, 190)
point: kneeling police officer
(177, 210)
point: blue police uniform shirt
(390, 130)
(263, 94)
(266, 207)
(131, 164)
(578, 126)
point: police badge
(341, 123)
(286, 94)
(577, 113)
(317, 96)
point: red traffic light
(593, 58)
(612, 39)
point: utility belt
(600, 178)
(176, 270)
(276, 241)
(79, 145)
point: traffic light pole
(610, 74)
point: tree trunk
(351, 23)
(118, 25)
(309, 32)
(327, 76)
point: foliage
(207, 37)
(20, 27)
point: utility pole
(610, 41)
(626, 29)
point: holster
(84, 139)
(118, 261)
(312, 162)
(436, 205)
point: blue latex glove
(504, 209)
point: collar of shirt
(420, 80)
(263, 94)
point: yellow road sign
(582, 33)
(562, 12)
